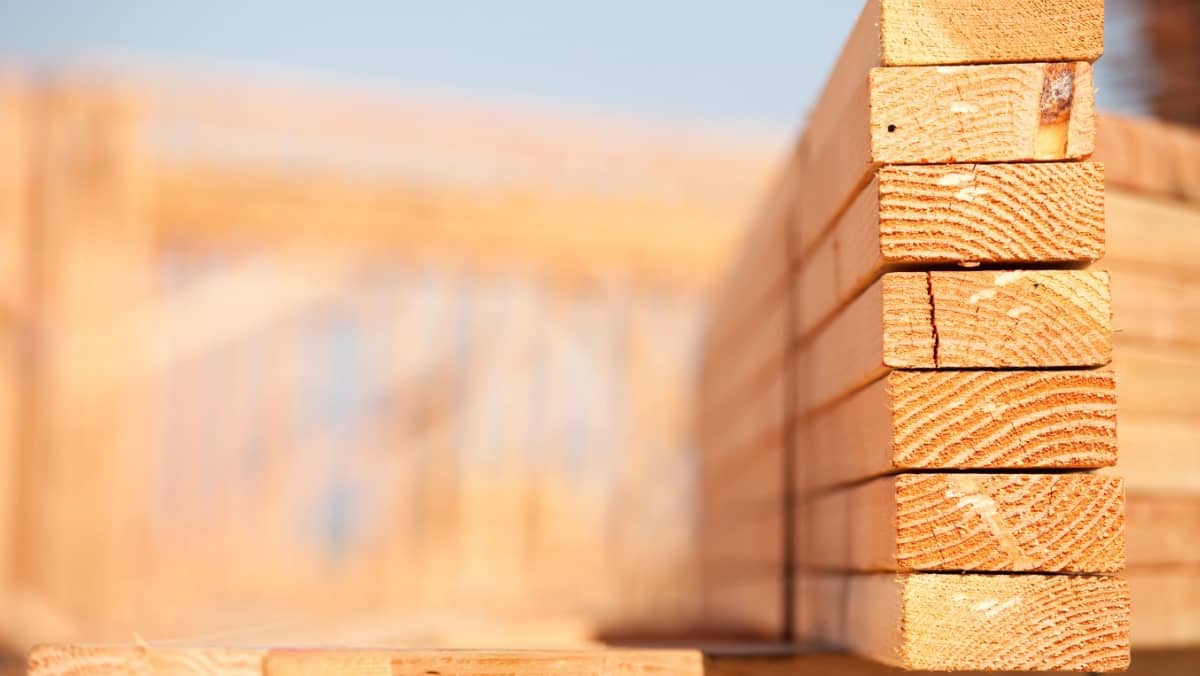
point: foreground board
(945, 621)
(942, 115)
(971, 320)
(1073, 523)
(924, 420)
(957, 213)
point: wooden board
(1152, 234)
(53, 660)
(1163, 528)
(939, 115)
(940, 621)
(1072, 523)
(977, 319)
(923, 420)
(1160, 452)
(937, 214)
(1150, 156)
(1167, 602)
(1158, 380)
(914, 32)
(1151, 308)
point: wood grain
(56, 660)
(998, 113)
(1072, 523)
(923, 420)
(987, 622)
(977, 319)
(915, 32)
(970, 213)
(941, 115)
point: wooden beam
(1159, 380)
(1062, 523)
(581, 237)
(915, 32)
(923, 420)
(972, 213)
(17, 126)
(1168, 606)
(89, 401)
(1150, 156)
(1152, 234)
(978, 319)
(1162, 528)
(1151, 309)
(103, 660)
(1160, 452)
(927, 115)
(950, 622)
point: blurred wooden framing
(99, 177)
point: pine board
(954, 622)
(925, 420)
(971, 213)
(941, 115)
(1150, 156)
(1059, 523)
(977, 319)
(1160, 452)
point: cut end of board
(990, 113)
(917, 32)
(997, 319)
(1014, 623)
(1003, 419)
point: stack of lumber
(907, 371)
(1153, 193)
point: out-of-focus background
(379, 321)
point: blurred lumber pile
(856, 342)
(1153, 196)
(283, 358)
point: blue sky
(754, 64)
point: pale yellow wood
(1158, 380)
(572, 236)
(995, 113)
(1166, 604)
(1150, 156)
(749, 532)
(1151, 309)
(1153, 234)
(1160, 452)
(972, 213)
(922, 420)
(1162, 527)
(743, 602)
(989, 622)
(918, 32)
(56, 660)
(89, 437)
(938, 115)
(978, 319)
(1072, 523)
(16, 151)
